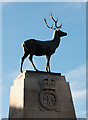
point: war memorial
(39, 94)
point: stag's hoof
(47, 70)
(21, 71)
(37, 70)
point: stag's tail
(24, 46)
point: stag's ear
(58, 28)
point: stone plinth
(41, 95)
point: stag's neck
(56, 39)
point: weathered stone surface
(41, 95)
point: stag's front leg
(48, 66)
(22, 60)
(30, 58)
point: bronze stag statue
(39, 48)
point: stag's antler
(53, 19)
(48, 26)
(57, 28)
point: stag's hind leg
(22, 60)
(30, 58)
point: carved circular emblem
(48, 99)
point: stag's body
(39, 48)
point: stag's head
(60, 33)
(56, 28)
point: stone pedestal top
(41, 95)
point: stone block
(41, 95)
